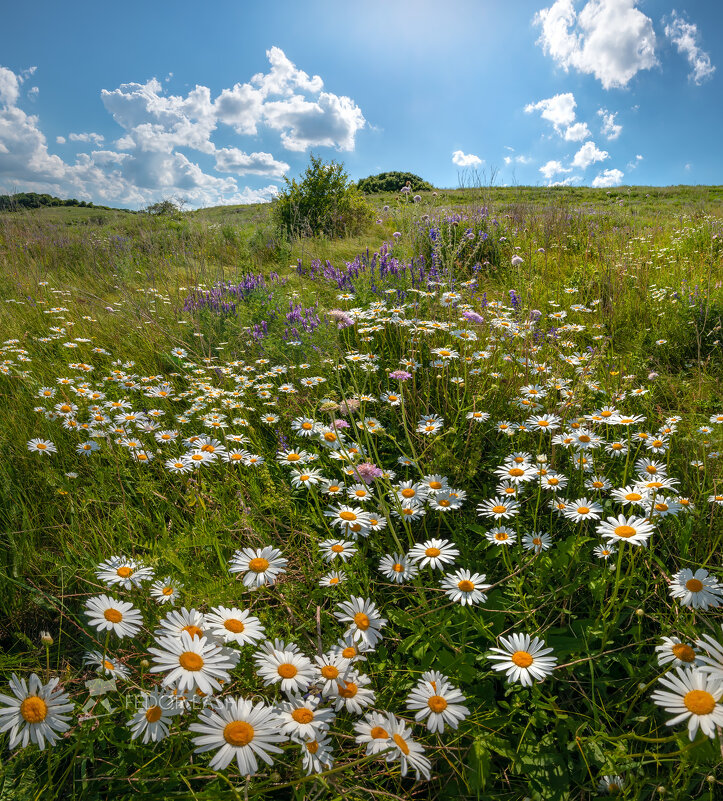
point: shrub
(393, 182)
(325, 202)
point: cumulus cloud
(9, 87)
(686, 37)
(577, 132)
(521, 159)
(231, 159)
(588, 154)
(634, 163)
(94, 138)
(462, 159)
(609, 127)
(610, 39)
(559, 109)
(553, 168)
(608, 178)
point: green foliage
(324, 203)
(393, 182)
(33, 200)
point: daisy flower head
(126, 573)
(434, 553)
(536, 541)
(409, 753)
(445, 502)
(676, 653)
(635, 530)
(604, 551)
(352, 693)
(166, 591)
(41, 446)
(176, 622)
(333, 549)
(329, 668)
(523, 659)
(611, 785)
(333, 578)
(193, 663)
(691, 696)
(154, 717)
(290, 669)
(372, 732)
(316, 754)
(365, 622)
(238, 729)
(108, 614)
(352, 520)
(583, 509)
(397, 568)
(105, 665)
(233, 625)
(302, 719)
(259, 565)
(499, 508)
(697, 590)
(35, 712)
(501, 535)
(438, 703)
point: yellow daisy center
(312, 746)
(190, 660)
(699, 702)
(694, 585)
(362, 621)
(112, 615)
(408, 492)
(193, 631)
(153, 714)
(522, 659)
(499, 509)
(287, 670)
(516, 471)
(349, 690)
(234, 625)
(349, 652)
(347, 516)
(401, 742)
(329, 672)
(302, 715)
(34, 709)
(238, 733)
(501, 536)
(378, 733)
(259, 564)
(683, 652)
(583, 510)
(437, 704)
(435, 485)
(433, 552)
(624, 531)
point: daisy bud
(710, 779)
(275, 776)
(145, 664)
(46, 638)
(639, 612)
(661, 789)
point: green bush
(325, 202)
(393, 182)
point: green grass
(646, 266)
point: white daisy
(465, 587)
(439, 703)
(234, 625)
(397, 568)
(289, 669)
(329, 668)
(523, 659)
(673, 651)
(435, 553)
(127, 573)
(166, 591)
(352, 693)
(302, 719)
(365, 622)
(259, 565)
(239, 729)
(316, 754)
(37, 713)
(409, 753)
(192, 663)
(698, 590)
(694, 698)
(635, 530)
(105, 665)
(154, 716)
(106, 613)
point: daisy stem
(613, 597)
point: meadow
(434, 511)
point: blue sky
(127, 104)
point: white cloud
(231, 159)
(634, 163)
(577, 132)
(553, 168)
(608, 178)
(33, 92)
(588, 154)
(686, 37)
(149, 159)
(94, 138)
(610, 39)
(517, 159)
(559, 110)
(462, 159)
(9, 87)
(609, 127)
(566, 181)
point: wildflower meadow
(430, 511)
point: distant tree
(393, 182)
(324, 202)
(167, 208)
